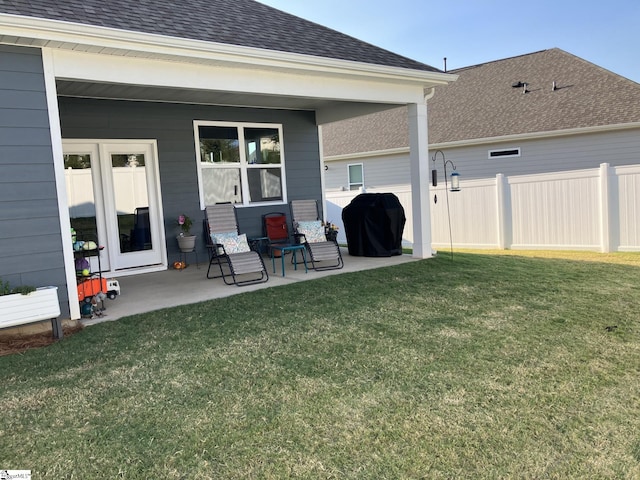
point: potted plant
(331, 231)
(23, 305)
(186, 241)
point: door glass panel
(82, 206)
(131, 202)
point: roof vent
(522, 85)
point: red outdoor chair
(275, 229)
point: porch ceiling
(111, 91)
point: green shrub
(5, 289)
(24, 289)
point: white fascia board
(92, 67)
(57, 34)
(536, 135)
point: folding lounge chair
(229, 251)
(308, 230)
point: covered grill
(373, 224)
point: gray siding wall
(549, 155)
(172, 126)
(546, 155)
(378, 172)
(30, 237)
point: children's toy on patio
(92, 293)
(93, 306)
(83, 268)
(92, 287)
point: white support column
(322, 181)
(61, 189)
(419, 160)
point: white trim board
(61, 190)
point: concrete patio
(154, 291)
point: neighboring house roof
(235, 22)
(482, 103)
(376, 132)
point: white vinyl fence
(596, 209)
(130, 190)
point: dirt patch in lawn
(21, 343)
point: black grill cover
(373, 223)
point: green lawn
(490, 366)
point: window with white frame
(356, 176)
(240, 163)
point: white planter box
(18, 309)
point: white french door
(113, 192)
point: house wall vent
(504, 153)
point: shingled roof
(483, 103)
(376, 132)
(236, 22)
